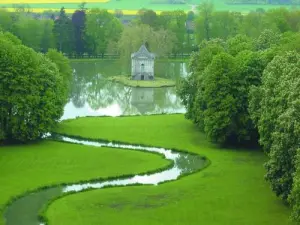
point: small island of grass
(156, 83)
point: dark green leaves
(32, 92)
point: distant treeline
(264, 2)
(96, 32)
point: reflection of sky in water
(72, 111)
(92, 95)
(184, 163)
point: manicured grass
(27, 167)
(231, 191)
(156, 83)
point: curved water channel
(25, 210)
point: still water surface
(93, 95)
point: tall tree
(225, 24)
(101, 28)
(6, 20)
(30, 31)
(188, 87)
(148, 17)
(78, 20)
(254, 23)
(206, 10)
(273, 107)
(175, 21)
(63, 32)
(160, 42)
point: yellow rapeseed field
(48, 1)
(40, 10)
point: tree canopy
(245, 91)
(32, 93)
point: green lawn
(138, 4)
(28, 167)
(231, 191)
(113, 4)
(156, 83)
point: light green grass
(156, 83)
(231, 191)
(219, 5)
(27, 167)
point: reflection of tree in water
(169, 70)
(188, 163)
(166, 100)
(99, 95)
(92, 88)
(78, 90)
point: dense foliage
(216, 93)
(275, 108)
(32, 92)
(245, 91)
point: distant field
(48, 1)
(129, 7)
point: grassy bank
(156, 83)
(231, 191)
(27, 167)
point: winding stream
(25, 210)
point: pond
(93, 95)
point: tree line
(244, 90)
(225, 24)
(97, 32)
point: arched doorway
(142, 71)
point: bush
(31, 93)
(216, 93)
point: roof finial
(146, 45)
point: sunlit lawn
(129, 7)
(231, 191)
(27, 167)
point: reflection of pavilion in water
(143, 99)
